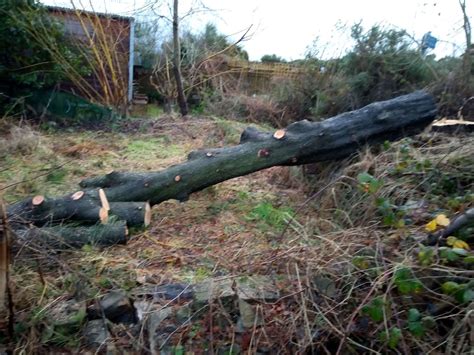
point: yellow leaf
(431, 226)
(451, 240)
(461, 244)
(442, 220)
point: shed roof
(100, 14)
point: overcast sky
(288, 27)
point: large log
(89, 208)
(300, 143)
(76, 237)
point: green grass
(139, 149)
(275, 217)
(153, 110)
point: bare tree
(183, 106)
(468, 67)
(187, 62)
(466, 25)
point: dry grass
(336, 235)
(252, 109)
(21, 140)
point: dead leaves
(440, 220)
(456, 243)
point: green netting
(68, 108)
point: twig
(36, 176)
(5, 290)
(458, 223)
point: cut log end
(279, 134)
(77, 195)
(37, 200)
(103, 200)
(103, 215)
(147, 219)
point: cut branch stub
(37, 200)
(77, 195)
(279, 134)
(103, 215)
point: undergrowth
(344, 246)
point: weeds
(350, 265)
(275, 217)
(23, 140)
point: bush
(23, 140)
(24, 63)
(256, 109)
(382, 64)
(272, 58)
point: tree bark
(300, 143)
(183, 106)
(76, 237)
(87, 209)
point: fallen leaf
(461, 244)
(431, 226)
(442, 220)
(451, 240)
(456, 243)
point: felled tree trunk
(300, 143)
(76, 237)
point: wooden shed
(108, 41)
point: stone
(212, 289)
(96, 333)
(176, 292)
(233, 349)
(183, 314)
(249, 315)
(153, 323)
(67, 313)
(324, 286)
(168, 292)
(256, 288)
(155, 318)
(117, 307)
